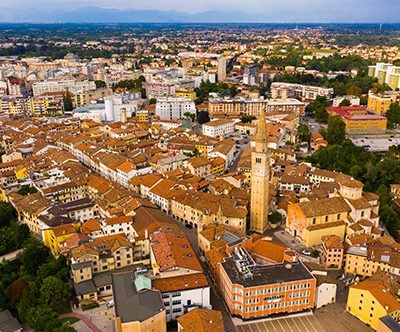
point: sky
(354, 10)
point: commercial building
(251, 290)
(305, 92)
(173, 108)
(250, 76)
(359, 120)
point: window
(176, 294)
(326, 218)
(128, 255)
(118, 258)
(118, 264)
(177, 310)
(166, 304)
(105, 267)
(362, 213)
(128, 261)
(104, 261)
(95, 269)
(338, 216)
(165, 296)
(258, 160)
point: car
(237, 141)
(189, 226)
(390, 139)
(245, 142)
(231, 135)
(231, 163)
(362, 140)
(110, 304)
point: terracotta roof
(180, 283)
(324, 207)
(270, 250)
(327, 225)
(90, 226)
(352, 183)
(63, 230)
(333, 242)
(202, 320)
(322, 279)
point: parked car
(245, 142)
(189, 226)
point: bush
(275, 217)
(90, 307)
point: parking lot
(306, 323)
(375, 144)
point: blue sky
(332, 10)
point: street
(240, 147)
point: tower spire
(262, 134)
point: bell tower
(260, 163)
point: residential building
(8, 323)
(235, 107)
(156, 89)
(354, 100)
(174, 108)
(260, 163)
(332, 252)
(217, 128)
(379, 103)
(325, 291)
(374, 298)
(305, 92)
(85, 97)
(385, 73)
(73, 86)
(359, 120)
(137, 308)
(246, 128)
(291, 105)
(199, 166)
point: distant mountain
(103, 15)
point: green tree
(321, 114)
(309, 109)
(384, 196)
(305, 133)
(336, 130)
(68, 105)
(390, 219)
(345, 102)
(100, 84)
(203, 117)
(275, 217)
(28, 301)
(7, 243)
(34, 255)
(189, 115)
(393, 113)
(42, 318)
(64, 328)
(152, 101)
(54, 293)
(26, 189)
(323, 132)
(6, 212)
(248, 118)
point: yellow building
(379, 104)
(374, 298)
(143, 115)
(55, 235)
(358, 120)
(218, 165)
(85, 98)
(46, 106)
(186, 93)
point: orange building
(251, 290)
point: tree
(345, 102)
(248, 118)
(34, 255)
(336, 130)
(27, 301)
(393, 113)
(17, 288)
(275, 217)
(7, 243)
(384, 196)
(26, 189)
(68, 106)
(390, 219)
(42, 319)
(305, 133)
(321, 114)
(323, 132)
(54, 293)
(203, 117)
(64, 328)
(100, 84)
(153, 101)
(309, 109)
(6, 212)
(189, 115)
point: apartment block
(174, 108)
(305, 92)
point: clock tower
(260, 163)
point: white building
(171, 108)
(354, 100)
(118, 225)
(218, 127)
(325, 292)
(57, 86)
(168, 124)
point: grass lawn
(66, 310)
(71, 320)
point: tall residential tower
(221, 69)
(260, 161)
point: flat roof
(390, 323)
(132, 306)
(268, 274)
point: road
(240, 147)
(313, 125)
